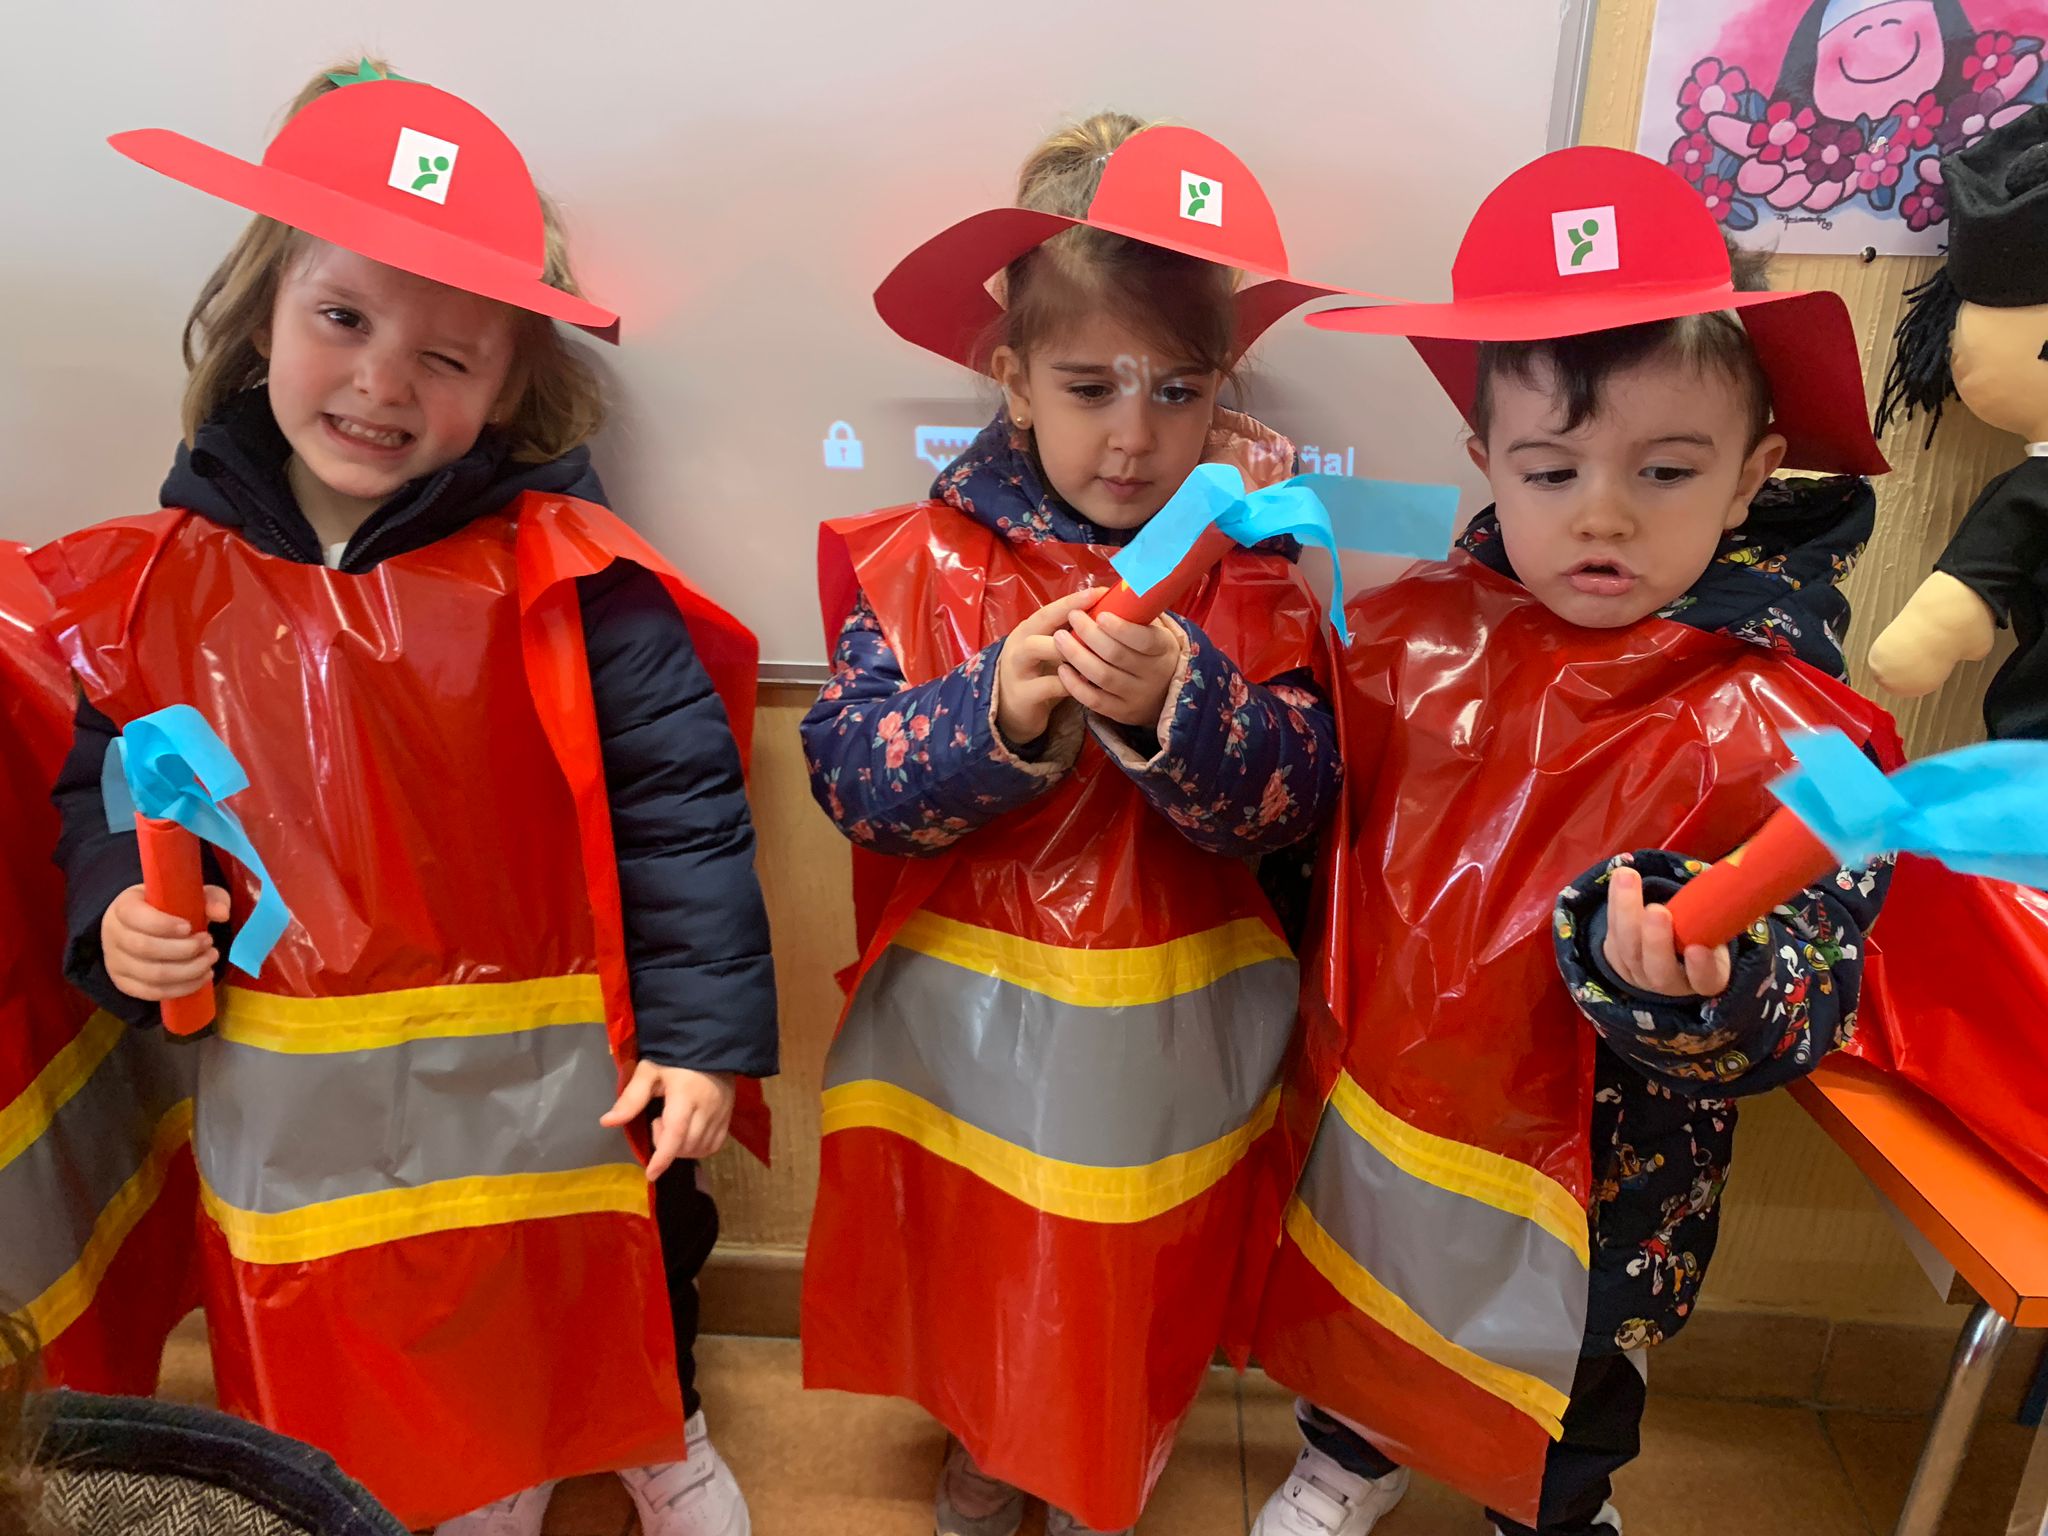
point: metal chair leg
(1984, 1338)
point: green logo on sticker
(1582, 240)
(1198, 198)
(430, 171)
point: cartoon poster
(1819, 125)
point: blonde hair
(1182, 302)
(559, 400)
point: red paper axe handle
(1143, 607)
(171, 881)
(1779, 862)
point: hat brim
(937, 297)
(354, 225)
(1805, 343)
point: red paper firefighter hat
(1166, 186)
(1589, 239)
(401, 173)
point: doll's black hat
(1998, 215)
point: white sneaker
(520, 1515)
(697, 1497)
(964, 1488)
(1320, 1498)
(1609, 1516)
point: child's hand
(1119, 669)
(1028, 677)
(155, 957)
(1643, 951)
(696, 1112)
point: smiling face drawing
(1876, 56)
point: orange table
(1982, 1217)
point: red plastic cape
(95, 1159)
(1430, 1285)
(1972, 1044)
(447, 856)
(1056, 1309)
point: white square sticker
(1587, 241)
(424, 165)
(1201, 198)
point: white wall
(738, 178)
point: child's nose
(1131, 431)
(1603, 515)
(383, 378)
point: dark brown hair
(1186, 306)
(20, 1486)
(1576, 368)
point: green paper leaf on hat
(365, 72)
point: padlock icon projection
(842, 448)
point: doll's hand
(1119, 669)
(696, 1112)
(1642, 949)
(154, 957)
(1944, 623)
(1028, 682)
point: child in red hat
(491, 742)
(1055, 1079)
(1468, 1278)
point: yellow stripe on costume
(1527, 1394)
(24, 1119)
(67, 1297)
(1096, 978)
(320, 1026)
(1466, 1170)
(390, 1215)
(1075, 1190)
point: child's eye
(1089, 392)
(1178, 394)
(445, 361)
(346, 318)
(1670, 474)
(1551, 476)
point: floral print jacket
(1242, 767)
(1671, 1069)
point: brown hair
(20, 1486)
(559, 401)
(1576, 368)
(1184, 304)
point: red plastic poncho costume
(423, 1253)
(96, 1186)
(1057, 1067)
(1431, 1284)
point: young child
(503, 798)
(1468, 1280)
(1057, 1067)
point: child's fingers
(633, 1099)
(1662, 970)
(1075, 653)
(139, 917)
(1624, 946)
(1145, 639)
(1054, 614)
(1098, 700)
(169, 976)
(668, 1141)
(1036, 653)
(1708, 970)
(1098, 639)
(146, 949)
(218, 908)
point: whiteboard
(737, 179)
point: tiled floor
(819, 1464)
